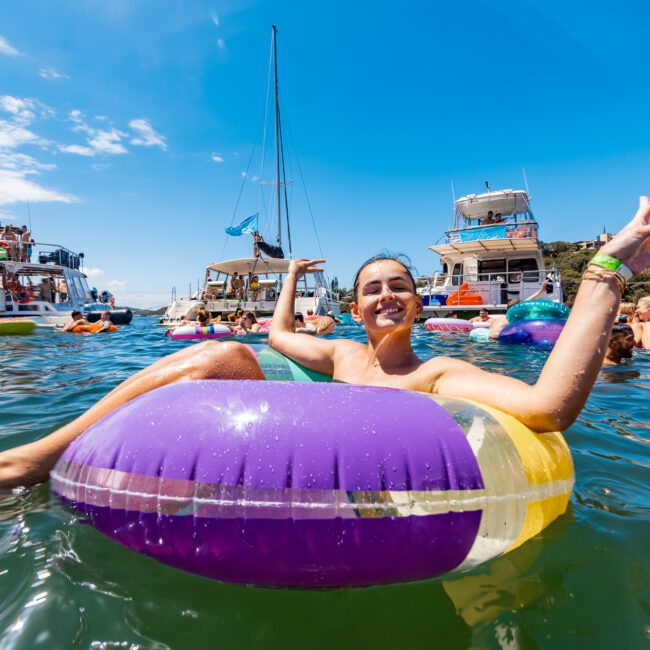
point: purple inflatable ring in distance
(539, 333)
(280, 483)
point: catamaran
(254, 283)
(490, 256)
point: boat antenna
(277, 135)
(523, 171)
(29, 216)
(453, 203)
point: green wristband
(606, 261)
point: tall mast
(277, 133)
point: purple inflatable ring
(539, 333)
(314, 485)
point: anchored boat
(490, 256)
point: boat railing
(506, 229)
(491, 288)
(34, 252)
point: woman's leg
(32, 463)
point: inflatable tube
(196, 332)
(239, 481)
(10, 326)
(480, 334)
(93, 328)
(540, 333)
(537, 310)
(448, 325)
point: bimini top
(506, 202)
(254, 265)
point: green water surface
(583, 583)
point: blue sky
(127, 125)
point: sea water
(582, 583)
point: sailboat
(260, 276)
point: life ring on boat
(397, 486)
(22, 294)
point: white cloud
(216, 157)
(51, 73)
(22, 110)
(244, 174)
(93, 272)
(78, 149)
(107, 141)
(13, 135)
(116, 284)
(221, 44)
(7, 49)
(100, 167)
(215, 19)
(23, 163)
(15, 187)
(76, 116)
(146, 135)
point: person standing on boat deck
(499, 218)
(387, 303)
(9, 236)
(25, 244)
(45, 288)
(236, 285)
(489, 219)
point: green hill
(571, 262)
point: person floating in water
(387, 303)
(76, 319)
(621, 345)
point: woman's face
(386, 299)
(643, 312)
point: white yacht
(48, 283)
(489, 256)
(261, 276)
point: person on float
(107, 324)
(386, 301)
(483, 317)
(76, 319)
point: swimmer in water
(641, 323)
(386, 302)
(620, 346)
(483, 317)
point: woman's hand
(632, 244)
(301, 266)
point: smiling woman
(387, 304)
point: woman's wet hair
(400, 258)
(203, 317)
(250, 316)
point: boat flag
(247, 225)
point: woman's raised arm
(310, 351)
(565, 382)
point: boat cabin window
(457, 274)
(528, 267)
(489, 269)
